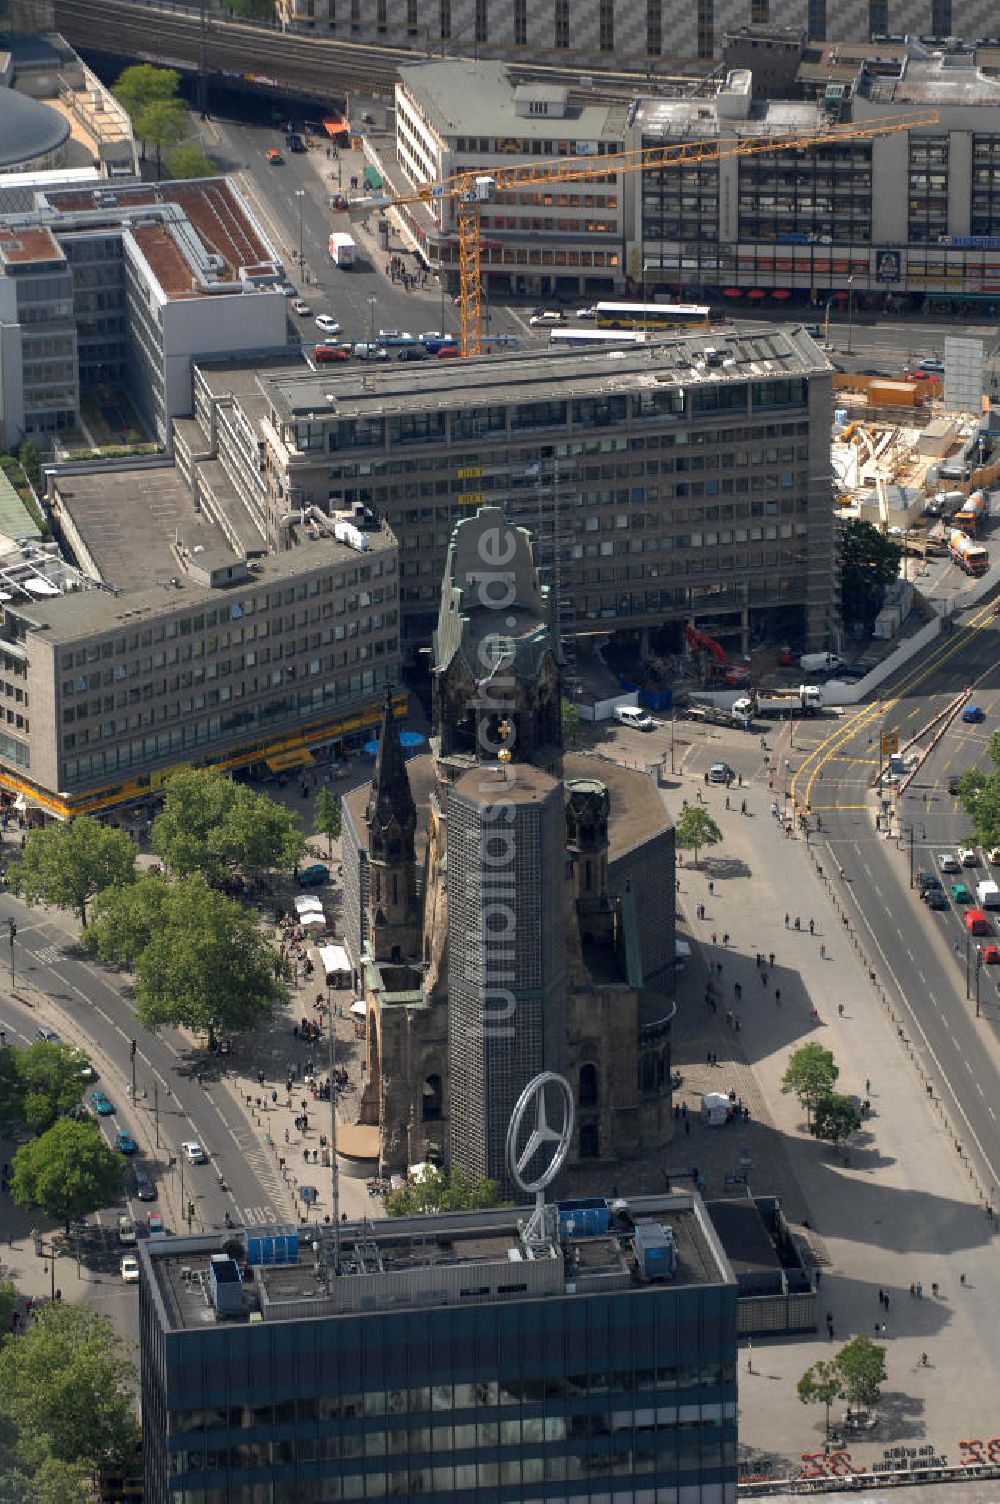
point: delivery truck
(988, 895)
(968, 554)
(342, 249)
(820, 663)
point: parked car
(124, 1141)
(302, 308)
(101, 1103)
(49, 1035)
(327, 324)
(126, 1229)
(313, 876)
(130, 1269)
(412, 352)
(448, 352)
(193, 1152)
(948, 862)
(993, 855)
(547, 316)
(327, 354)
(587, 313)
(145, 1188)
(154, 1225)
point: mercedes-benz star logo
(542, 1133)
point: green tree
(51, 1482)
(979, 791)
(861, 1364)
(208, 820)
(126, 918)
(163, 123)
(569, 717)
(822, 1384)
(67, 1172)
(11, 1094)
(189, 161)
(258, 833)
(835, 1118)
(66, 1389)
(696, 829)
(208, 963)
(68, 864)
(869, 561)
(326, 817)
(195, 804)
(442, 1191)
(8, 1303)
(142, 86)
(810, 1075)
(30, 457)
(49, 1082)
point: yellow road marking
(816, 760)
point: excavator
(735, 673)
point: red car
(990, 955)
(324, 353)
(448, 352)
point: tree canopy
(696, 829)
(206, 963)
(862, 1365)
(979, 792)
(68, 864)
(142, 85)
(164, 123)
(442, 1191)
(125, 919)
(189, 161)
(66, 1386)
(869, 561)
(822, 1384)
(835, 1118)
(208, 820)
(67, 1172)
(810, 1075)
(569, 720)
(326, 816)
(39, 1083)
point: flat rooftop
(128, 522)
(212, 207)
(945, 79)
(686, 119)
(459, 96)
(435, 385)
(420, 1262)
(19, 247)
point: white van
(634, 716)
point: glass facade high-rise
(443, 1362)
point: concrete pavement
(899, 1208)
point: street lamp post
(968, 990)
(11, 931)
(300, 194)
(850, 315)
(979, 967)
(371, 320)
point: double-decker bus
(651, 316)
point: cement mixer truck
(967, 553)
(972, 513)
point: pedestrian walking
(961, 1278)
(763, 978)
(777, 996)
(739, 1023)
(743, 807)
(725, 937)
(868, 1086)
(822, 952)
(727, 801)
(934, 1290)
(713, 937)
(711, 887)
(737, 992)
(787, 921)
(718, 967)
(771, 959)
(812, 927)
(798, 922)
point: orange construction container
(891, 394)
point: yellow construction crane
(473, 188)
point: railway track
(314, 65)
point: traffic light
(12, 926)
(190, 1211)
(132, 1050)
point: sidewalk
(896, 1209)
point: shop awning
(732, 292)
(280, 761)
(756, 293)
(372, 178)
(336, 127)
(335, 962)
(780, 292)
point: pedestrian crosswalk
(48, 955)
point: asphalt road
(87, 1005)
(920, 953)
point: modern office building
(181, 638)
(640, 35)
(453, 117)
(456, 1359)
(685, 479)
(908, 220)
(55, 114)
(126, 285)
